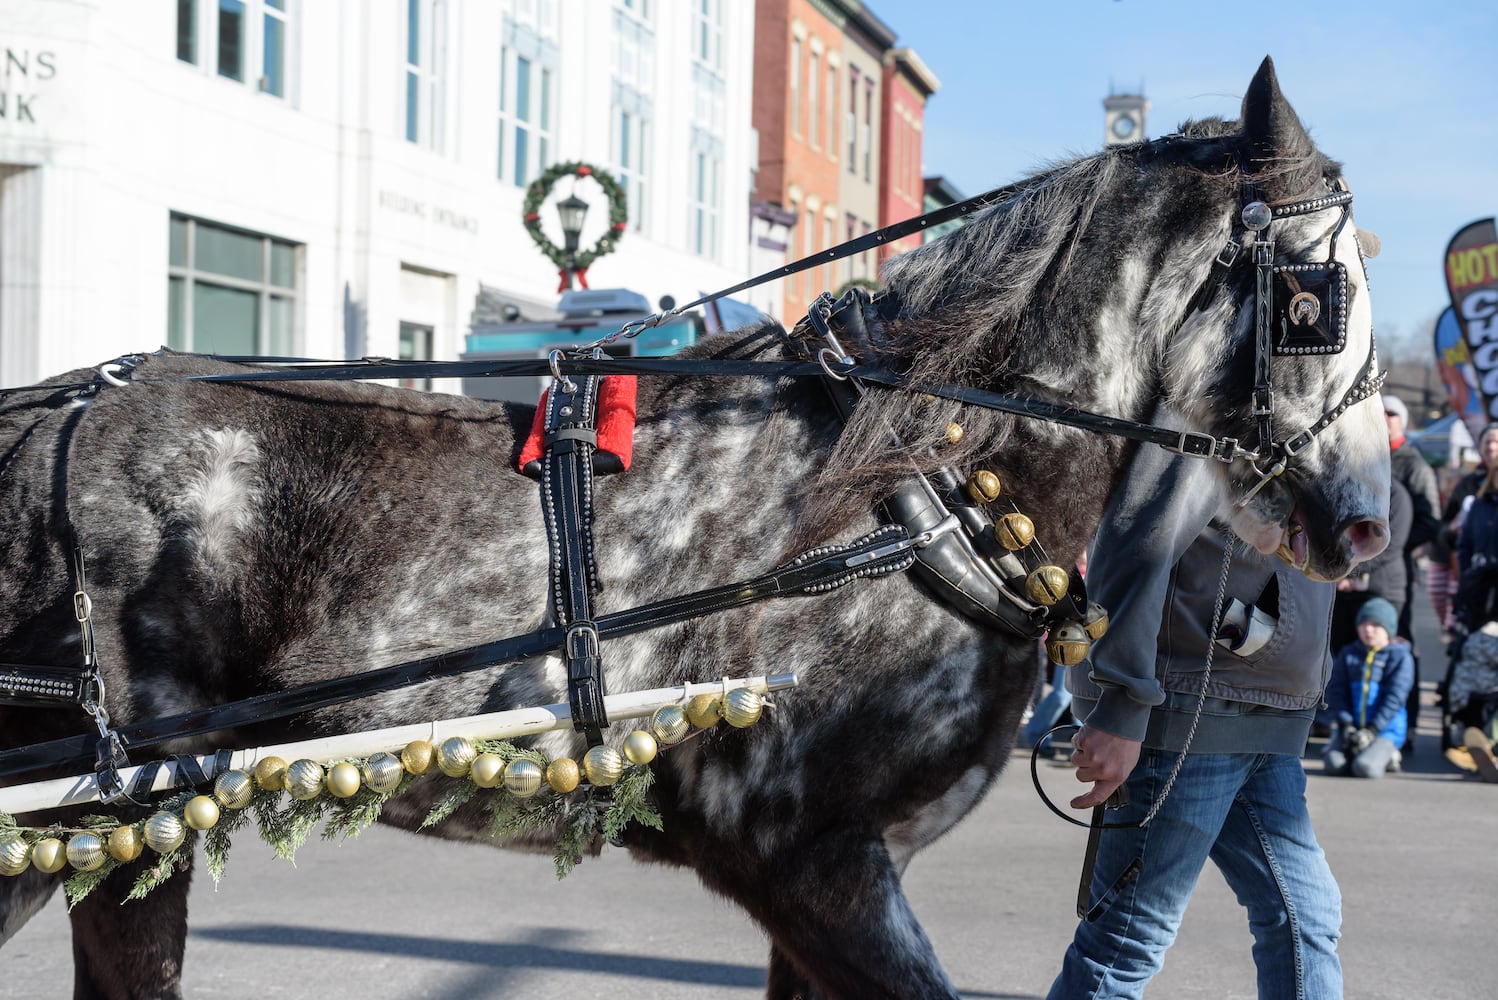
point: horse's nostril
(1367, 539)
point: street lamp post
(572, 210)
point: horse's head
(1305, 403)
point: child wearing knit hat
(1370, 681)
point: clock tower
(1123, 118)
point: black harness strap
(886, 550)
(567, 499)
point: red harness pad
(616, 428)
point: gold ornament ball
(383, 773)
(954, 433)
(418, 756)
(1047, 585)
(201, 812)
(234, 789)
(15, 855)
(270, 774)
(49, 855)
(983, 486)
(125, 843)
(522, 777)
(85, 851)
(1014, 531)
(742, 708)
(487, 770)
(704, 711)
(640, 747)
(455, 755)
(344, 780)
(669, 725)
(304, 779)
(164, 833)
(603, 765)
(1068, 644)
(563, 775)
(1095, 621)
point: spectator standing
(1410, 467)
(1442, 575)
(1366, 695)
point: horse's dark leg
(785, 982)
(133, 950)
(838, 920)
(21, 898)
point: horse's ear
(1271, 130)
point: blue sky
(1404, 93)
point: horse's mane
(1005, 301)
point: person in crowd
(1410, 467)
(1442, 576)
(1366, 695)
(1147, 709)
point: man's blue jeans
(1247, 812)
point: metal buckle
(1195, 443)
(1229, 252)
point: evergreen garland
(285, 823)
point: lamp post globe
(571, 210)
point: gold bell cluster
(1069, 643)
(305, 780)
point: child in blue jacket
(1370, 681)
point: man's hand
(1103, 759)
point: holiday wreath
(536, 193)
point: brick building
(825, 71)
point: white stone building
(331, 178)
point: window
(850, 126)
(811, 100)
(187, 31)
(706, 169)
(231, 40)
(831, 108)
(868, 129)
(273, 51)
(415, 345)
(529, 58)
(425, 65)
(229, 37)
(795, 86)
(631, 139)
(707, 41)
(230, 291)
(632, 113)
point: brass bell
(954, 433)
(1095, 621)
(1014, 531)
(1047, 584)
(983, 486)
(1068, 645)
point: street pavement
(389, 915)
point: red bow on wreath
(582, 278)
